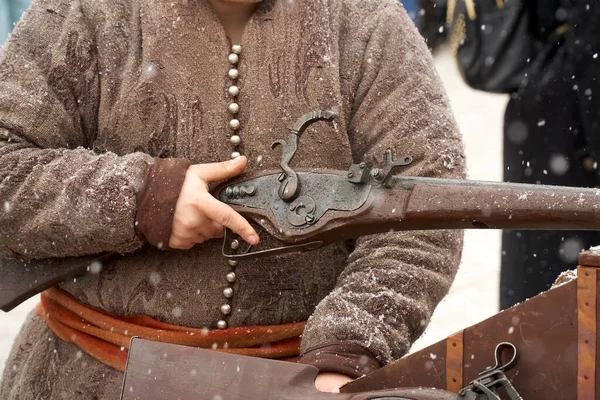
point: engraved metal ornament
(326, 192)
(302, 211)
(298, 199)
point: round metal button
(232, 263)
(236, 49)
(233, 59)
(228, 292)
(222, 324)
(233, 73)
(234, 124)
(231, 277)
(235, 154)
(235, 139)
(234, 108)
(233, 91)
(226, 309)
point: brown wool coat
(92, 90)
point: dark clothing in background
(552, 136)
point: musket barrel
(450, 204)
(412, 203)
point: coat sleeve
(58, 197)
(392, 282)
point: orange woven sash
(106, 337)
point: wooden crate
(554, 333)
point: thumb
(214, 172)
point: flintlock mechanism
(302, 211)
(290, 184)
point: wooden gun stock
(21, 280)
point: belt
(106, 337)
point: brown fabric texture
(107, 337)
(346, 358)
(90, 94)
(157, 198)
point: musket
(308, 209)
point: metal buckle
(494, 378)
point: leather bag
(491, 42)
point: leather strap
(586, 323)
(106, 337)
(454, 362)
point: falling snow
(476, 112)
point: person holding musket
(115, 119)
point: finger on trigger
(222, 214)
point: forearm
(392, 282)
(60, 202)
(387, 293)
